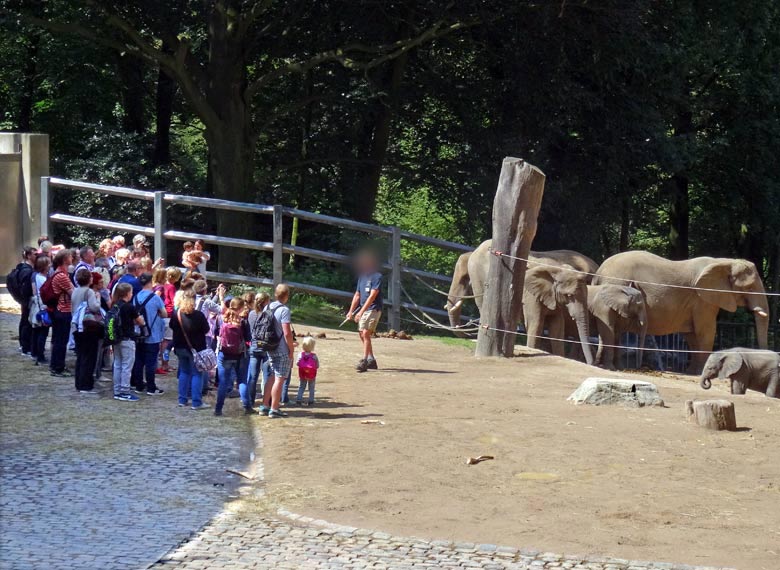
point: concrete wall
(24, 158)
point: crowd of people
(124, 312)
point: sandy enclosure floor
(632, 483)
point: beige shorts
(168, 334)
(369, 320)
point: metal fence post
(159, 225)
(278, 242)
(394, 317)
(45, 206)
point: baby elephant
(746, 369)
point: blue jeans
(60, 332)
(39, 343)
(303, 384)
(227, 368)
(286, 389)
(145, 361)
(258, 362)
(190, 379)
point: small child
(185, 257)
(307, 363)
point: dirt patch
(633, 483)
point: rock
(320, 335)
(712, 414)
(611, 391)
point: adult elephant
(685, 296)
(551, 292)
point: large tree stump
(712, 414)
(515, 210)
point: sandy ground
(633, 483)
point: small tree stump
(712, 414)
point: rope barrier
(543, 264)
(440, 292)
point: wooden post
(394, 317)
(278, 243)
(159, 225)
(515, 210)
(712, 414)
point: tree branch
(345, 55)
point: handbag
(39, 314)
(206, 359)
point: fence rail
(277, 247)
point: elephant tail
(706, 383)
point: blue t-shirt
(152, 315)
(366, 284)
(134, 282)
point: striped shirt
(62, 287)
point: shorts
(280, 362)
(168, 334)
(369, 320)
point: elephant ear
(717, 275)
(732, 362)
(617, 298)
(539, 282)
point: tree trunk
(131, 71)
(29, 73)
(515, 211)
(679, 207)
(230, 141)
(166, 90)
(712, 414)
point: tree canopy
(655, 121)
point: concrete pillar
(34, 148)
(10, 220)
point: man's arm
(355, 303)
(288, 337)
(371, 296)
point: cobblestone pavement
(88, 482)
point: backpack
(143, 331)
(307, 366)
(48, 296)
(113, 332)
(19, 283)
(264, 334)
(231, 339)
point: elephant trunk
(579, 313)
(454, 311)
(706, 383)
(641, 346)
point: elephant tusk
(456, 306)
(760, 312)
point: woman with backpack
(258, 358)
(41, 322)
(231, 346)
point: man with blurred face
(367, 306)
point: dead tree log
(515, 210)
(712, 414)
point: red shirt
(62, 287)
(169, 292)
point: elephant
(616, 309)
(551, 292)
(681, 296)
(746, 369)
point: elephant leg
(556, 328)
(773, 388)
(606, 342)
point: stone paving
(87, 482)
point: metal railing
(277, 247)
